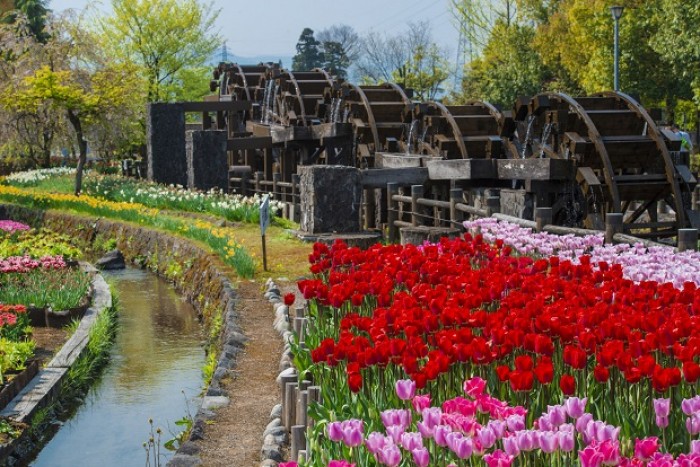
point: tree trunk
(82, 150)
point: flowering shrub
(11, 227)
(26, 264)
(536, 331)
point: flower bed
(533, 330)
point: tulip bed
(476, 353)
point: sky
(272, 27)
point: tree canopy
(309, 54)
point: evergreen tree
(308, 54)
(35, 11)
(335, 60)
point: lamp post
(617, 14)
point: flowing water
(156, 357)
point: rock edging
(276, 435)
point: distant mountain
(286, 60)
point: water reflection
(156, 356)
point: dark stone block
(165, 134)
(207, 160)
(330, 198)
(111, 261)
(518, 203)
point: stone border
(44, 387)
(276, 435)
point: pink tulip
(376, 441)
(510, 445)
(431, 416)
(353, 432)
(515, 422)
(527, 441)
(474, 387)
(646, 447)
(690, 406)
(421, 457)
(461, 446)
(339, 463)
(557, 414)
(567, 441)
(441, 433)
(389, 455)
(661, 422)
(405, 389)
(695, 447)
(662, 407)
(498, 459)
(583, 421)
(590, 457)
(486, 437)
(575, 406)
(335, 431)
(421, 402)
(411, 441)
(549, 441)
(692, 424)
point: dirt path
(235, 437)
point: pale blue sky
(272, 27)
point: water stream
(156, 357)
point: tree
(384, 58)
(163, 37)
(334, 59)
(308, 56)
(424, 72)
(476, 19)
(344, 35)
(508, 68)
(35, 11)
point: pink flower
(335, 431)
(690, 406)
(575, 406)
(396, 417)
(486, 437)
(692, 423)
(376, 441)
(498, 459)
(389, 454)
(441, 434)
(353, 432)
(340, 463)
(662, 407)
(288, 464)
(646, 447)
(549, 441)
(474, 387)
(411, 441)
(527, 440)
(510, 445)
(515, 422)
(421, 402)
(567, 440)
(405, 389)
(461, 446)
(421, 457)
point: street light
(617, 14)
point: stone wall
(165, 144)
(207, 160)
(331, 197)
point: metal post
(617, 14)
(416, 192)
(392, 211)
(687, 239)
(613, 225)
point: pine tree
(308, 54)
(335, 59)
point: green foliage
(308, 54)
(36, 244)
(35, 11)
(335, 60)
(166, 39)
(14, 355)
(508, 68)
(423, 72)
(60, 289)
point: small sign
(264, 214)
